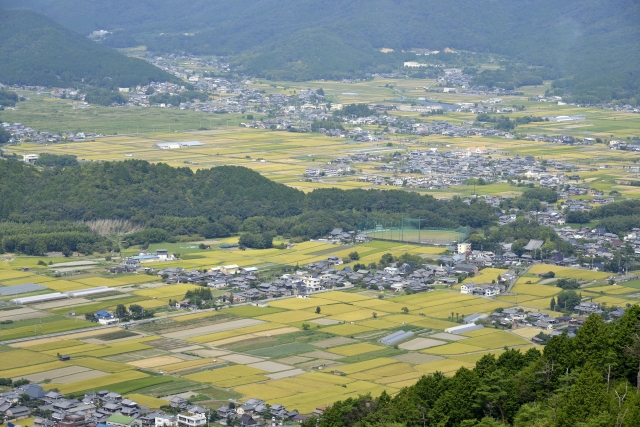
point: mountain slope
(592, 41)
(35, 50)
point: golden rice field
(569, 273)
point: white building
(192, 419)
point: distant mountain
(35, 50)
(592, 44)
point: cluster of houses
(256, 413)
(94, 409)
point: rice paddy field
(284, 352)
(131, 132)
(287, 352)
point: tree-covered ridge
(35, 50)
(589, 380)
(590, 44)
(210, 202)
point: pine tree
(553, 304)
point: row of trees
(590, 380)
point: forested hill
(593, 43)
(586, 381)
(35, 50)
(212, 202)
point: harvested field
(102, 365)
(211, 353)
(186, 365)
(22, 314)
(220, 327)
(319, 354)
(168, 345)
(455, 348)
(294, 360)
(369, 364)
(347, 329)
(324, 321)
(286, 374)
(446, 336)
(241, 359)
(416, 358)
(27, 370)
(79, 377)
(318, 362)
(52, 374)
(420, 343)
(270, 366)
(137, 355)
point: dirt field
(319, 354)
(220, 327)
(270, 366)
(53, 374)
(80, 377)
(420, 343)
(286, 374)
(22, 314)
(63, 303)
(446, 336)
(241, 359)
(416, 358)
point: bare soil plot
(24, 316)
(189, 348)
(286, 374)
(324, 321)
(62, 303)
(220, 327)
(270, 366)
(334, 342)
(53, 374)
(136, 355)
(448, 337)
(279, 331)
(420, 343)
(241, 359)
(294, 360)
(168, 345)
(416, 358)
(319, 354)
(82, 376)
(314, 363)
(211, 353)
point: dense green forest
(215, 202)
(620, 217)
(35, 50)
(590, 380)
(590, 46)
